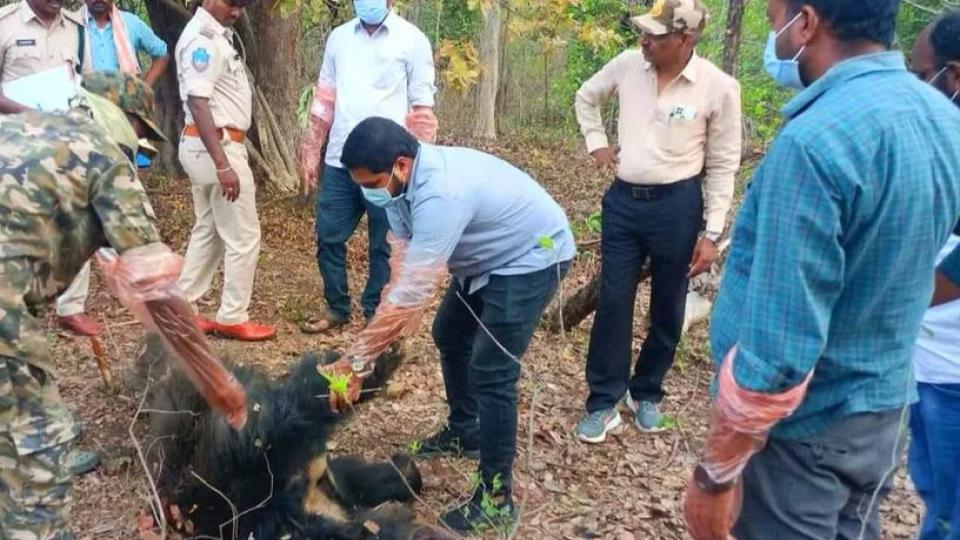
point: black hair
(945, 38)
(376, 143)
(857, 20)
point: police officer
(35, 36)
(66, 189)
(217, 102)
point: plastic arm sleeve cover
(741, 420)
(414, 279)
(318, 125)
(423, 124)
(145, 280)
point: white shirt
(384, 74)
(937, 356)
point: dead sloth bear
(281, 449)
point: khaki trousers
(224, 230)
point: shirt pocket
(24, 58)
(392, 71)
(677, 134)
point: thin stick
(233, 508)
(436, 514)
(258, 505)
(526, 494)
(158, 512)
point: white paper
(49, 90)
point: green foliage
(339, 383)
(546, 242)
(668, 423)
(303, 104)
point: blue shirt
(479, 214)
(103, 51)
(833, 252)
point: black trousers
(662, 223)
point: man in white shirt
(376, 64)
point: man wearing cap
(678, 153)
(217, 102)
(35, 36)
(67, 188)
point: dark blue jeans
(479, 377)
(340, 205)
(934, 459)
(662, 224)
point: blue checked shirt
(831, 264)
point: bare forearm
(9, 106)
(203, 119)
(156, 70)
(944, 290)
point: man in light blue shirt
(113, 45)
(507, 244)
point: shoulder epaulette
(6, 10)
(74, 16)
(208, 31)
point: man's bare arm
(156, 70)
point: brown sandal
(319, 325)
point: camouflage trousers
(34, 488)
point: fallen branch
(156, 504)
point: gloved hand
(340, 400)
(310, 153)
(423, 124)
(711, 516)
(144, 279)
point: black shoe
(447, 442)
(483, 512)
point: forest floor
(629, 487)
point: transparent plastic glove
(311, 150)
(414, 277)
(320, 120)
(423, 124)
(741, 420)
(145, 281)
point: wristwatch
(712, 236)
(705, 483)
(357, 365)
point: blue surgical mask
(785, 72)
(378, 196)
(371, 11)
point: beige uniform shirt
(693, 125)
(28, 47)
(208, 66)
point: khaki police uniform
(208, 66)
(65, 191)
(28, 47)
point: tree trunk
(168, 20)
(731, 41)
(486, 125)
(272, 43)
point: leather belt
(236, 135)
(649, 192)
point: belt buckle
(643, 193)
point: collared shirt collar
(385, 25)
(92, 23)
(690, 72)
(210, 20)
(26, 14)
(409, 187)
(841, 73)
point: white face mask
(933, 80)
(785, 72)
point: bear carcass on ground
(275, 472)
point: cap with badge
(129, 93)
(673, 17)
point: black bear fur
(289, 424)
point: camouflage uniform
(65, 191)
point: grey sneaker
(648, 417)
(593, 427)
